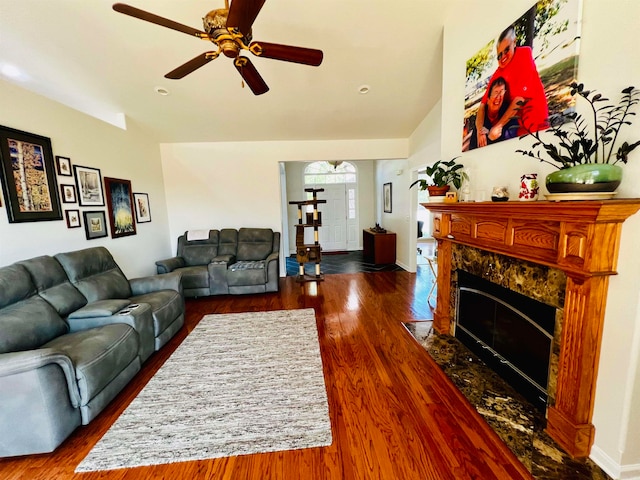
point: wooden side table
(380, 248)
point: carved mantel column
(581, 238)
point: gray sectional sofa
(73, 332)
(226, 261)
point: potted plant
(587, 159)
(442, 175)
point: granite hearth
(516, 421)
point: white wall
(398, 174)
(607, 69)
(89, 142)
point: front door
(333, 232)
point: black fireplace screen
(512, 333)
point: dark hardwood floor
(394, 413)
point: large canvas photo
(519, 81)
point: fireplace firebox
(510, 332)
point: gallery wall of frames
(38, 186)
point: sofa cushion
(254, 243)
(28, 324)
(247, 273)
(26, 320)
(198, 252)
(166, 306)
(53, 285)
(195, 277)
(15, 284)
(98, 354)
(95, 273)
(228, 244)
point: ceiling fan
(229, 29)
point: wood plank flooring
(394, 414)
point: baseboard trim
(404, 266)
(613, 468)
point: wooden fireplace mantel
(582, 239)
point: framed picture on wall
(386, 197)
(89, 185)
(73, 218)
(95, 224)
(28, 177)
(64, 166)
(68, 193)
(143, 212)
(120, 207)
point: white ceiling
(85, 55)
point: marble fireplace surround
(579, 241)
(539, 282)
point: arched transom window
(319, 173)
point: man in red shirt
(517, 67)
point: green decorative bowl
(590, 177)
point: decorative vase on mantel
(587, 178)
(588, 151)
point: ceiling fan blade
(250, 75)
(190, 66)
(150, 17)
(242, 14)
(287, 53)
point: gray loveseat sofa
(73, 332)
(227, 261)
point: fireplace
(510, 332)
(576, 241)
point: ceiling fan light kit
(229, 29)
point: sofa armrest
(101, 308)
(271, 257)
(272, 266)
(15, 363)
(154, 283)
(170, 264)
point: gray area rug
(239, 384)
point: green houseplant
(587, 157)
(442, 175)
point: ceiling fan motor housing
(215, 24)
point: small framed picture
(63, 165)
(451, 197)
(386, 197)
(73, 218)
(89, 184)
(68, 193)
(95, 224)
(143, 212)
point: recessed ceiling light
(363, 89)
(162, 91)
